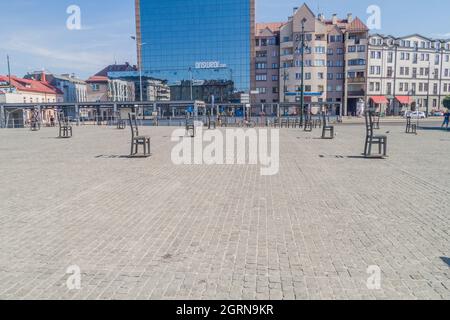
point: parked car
(415, 115)
(438, 114)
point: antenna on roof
(9, 73)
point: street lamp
(412, 93)
(302, 51)
(140, 45)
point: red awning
(404, 99)
(379, 100)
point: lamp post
(412, 93)
(428, 85)
(302, 51)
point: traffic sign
(245, 98)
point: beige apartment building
(267, 59)
(408, 73)
(335, 60)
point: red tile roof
(97, 79)
(28, 85)
(357, 26)
(272, 26)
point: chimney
(334, 19)
(321, 17)
(43, 77)
(295, 9)
(349, 18)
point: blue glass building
(198, 40)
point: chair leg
(366, 146)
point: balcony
(288, 44)
(357, 80)
(287, 57)
(358, 93)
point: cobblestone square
(148, 229)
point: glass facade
(197, 40)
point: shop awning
(404, 99)
(379, 99)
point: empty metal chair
(136, 139)
(410, 127)
(372, 139)
(65, 129)
(326, 128)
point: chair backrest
(324, 118)
(62, 121)
(133, 125)
(369, 123)
(408, 121)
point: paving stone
(149, 229)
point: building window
(357, 62)
(375, 54)
(261, 77)
(261, 90)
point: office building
(199, 40)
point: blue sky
(34, 32)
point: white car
(415, 115)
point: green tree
(447, 102)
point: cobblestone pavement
(147, 229)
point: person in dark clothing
(446, 119)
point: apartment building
(408, 73)
(335, 60)
(267, 59)
(103, 89)
(74, 89)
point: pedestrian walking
(446, 119)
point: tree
(447, 102)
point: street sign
(245, 98)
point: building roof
(28, 85)
(272, 26)
(116, 68)
(97, 79)
(357, 26)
